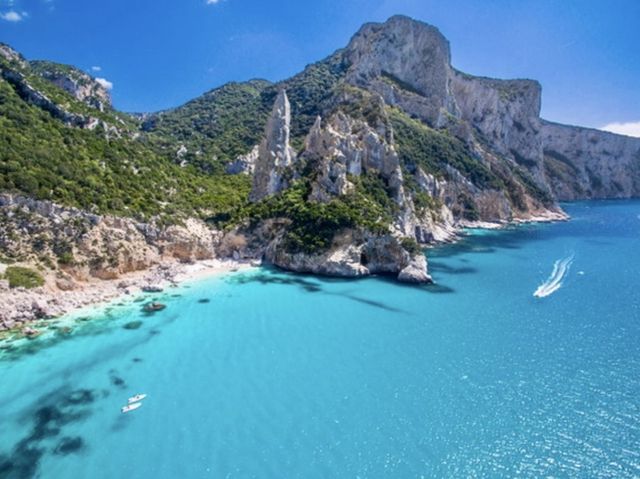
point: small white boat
(131, 407)
(136, 398)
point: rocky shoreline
(20, 307)
(541, 217)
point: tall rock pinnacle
(275, 154)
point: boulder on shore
(416, 271)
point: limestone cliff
(582, 163)
(65, 92)
(336, 155)
(408, 63)
(348, 147)
(404, 65)
(506, 116)
(84, 245)
(80, 85)
(469, 148)
(434, 180)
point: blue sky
(161, 53)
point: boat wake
(556, 279)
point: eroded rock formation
(85, 245)
(275, 155)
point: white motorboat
(136, 398)
(131, 407)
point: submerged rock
(153, 307)
(31, 333)
(133, 325)
(68, 445)
(152, 289)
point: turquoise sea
(264, 374)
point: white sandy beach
(20, 306)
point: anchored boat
(136, 398)
(131, 407)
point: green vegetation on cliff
(20, 277)
(433, 151)
(43, 158)
(226, 122)
(214, 128)
(311, 93)
(33, 73)
(313, 224)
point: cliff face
(346, 148)
(335, 156)
(407, 63)
(353, 254)
(80, 85)
(83, 245)
(506, 114)
(581, 163)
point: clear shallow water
(279, 375)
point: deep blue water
(270, 375)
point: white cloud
(213, 2)
(12, 16)
(105, 83)
(96, 68)
(629, 129)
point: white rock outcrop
(91, 246)
(244, 164)
(415, 271)
(80, 85)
